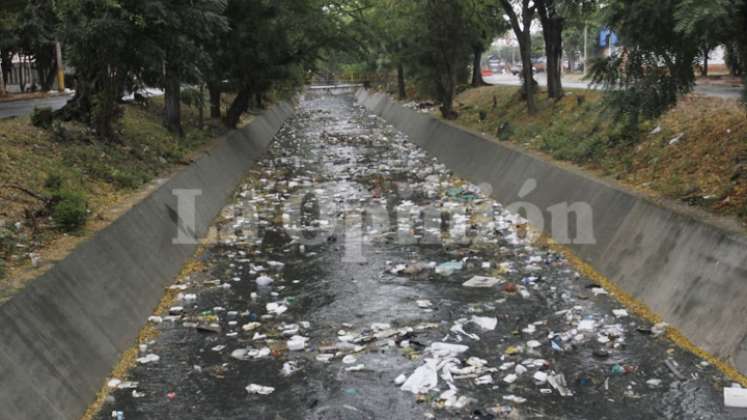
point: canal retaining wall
(62, 335)
(690, 271)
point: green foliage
(657, 63)
(70, 210)
(42, 117)
(53, 182)
(193, 98)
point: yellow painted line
(147, 334)
(643, 311)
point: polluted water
(354, 276)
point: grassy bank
(69, 164)
(696, 153)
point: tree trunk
(552, 33)
(238, 107)
(259, 100)
(172, 118)
(401, 81)
(704, 70)
(214, 93)
(447, 86)
(201, 106)
(477, 80)
(522, 30)
(527, 72)
(571, 62)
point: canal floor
(354, 277)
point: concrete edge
(65, 331)
(691, 272)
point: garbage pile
(352, 259)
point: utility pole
(586, 49)
(58, 54)
(60, 68)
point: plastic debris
(540, 378)
(289, 368)
(486, 323)
(481, 282)
(448, 268)
(424, 304)
(150, 358)
(558, 382)
(620, 313)
(324, 358)
(514, 399)
(735, 397)
(264, 281)
(653, 383)
(259, 389)
(297, 343)
(276, 308)
(424, 379)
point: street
(26, 106)
(710, 90)
(355, 278)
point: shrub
(53, 182)
(130, 180)
(70, 210)
(42, 117)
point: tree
(713, 22)
(521, 23)
(553, 15)
(37, 29)
(9, 42)
(178, 32)
(656, 64)
(274, 41)
(444, 41)
(384, 29)
(552, 32)
(104, 40)
(485, 23)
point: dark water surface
(330, 167)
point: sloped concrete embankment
(63, 334)
(691, 272)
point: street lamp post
(586, 49)
(60, 68)
(58, 55)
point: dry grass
(706, 167)
(109, 173)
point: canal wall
(62, 335)
(690, 271)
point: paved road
(26, 106)
(23, 107)
(341, 288)
(718, 91)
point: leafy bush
(42, 117)
(70, 210)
